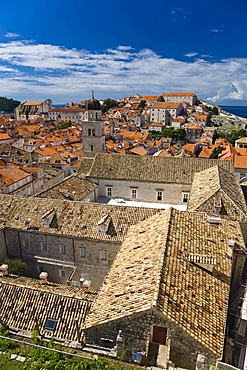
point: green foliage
(215, 153)
(233, 135)
(214, 110)
(16, 267)
(142, 105)
(8, 105)
(174, 133)
(107, 104)
(64, 125)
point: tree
(8, 105)
(107, 104)
(16, 267)
(142, 105)
(215, 153)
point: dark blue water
(235, 109)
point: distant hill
(8, 105)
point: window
(91, 148)
(63, 249)
(133, 193)
(44, 247)
(93, 132)
(50, 324)
(83, 252)
(62, 273)
(185, 197)
(26, 244)
(89, 132)
(103, 255)
(159, 194)
(109, 191)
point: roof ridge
(167, 228)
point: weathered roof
(156, 268)
(74, 187)
(25, 303)
(218, 183)
(75, 219)
(86, 165)
(151, 169)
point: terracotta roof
(4, 136)
(75, 219)
(158, 266)
(223, 187)
(240, 161)
(26, 303)
(68, 110)
(150, 168)
(166, 105)
(13, 175)
(33, 103)
(179, 94)
(139, 151)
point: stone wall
(136, 329)
(146, 191)
(60, 256)
(3, 251)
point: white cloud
(191, 54)
(33, 71)
(12, 35)
(215, 30)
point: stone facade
(179, 350)
(143, 191)
(93, 137)
(66, 259)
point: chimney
(4, 270)
(86, 284)
(43, 277)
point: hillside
(8, 105)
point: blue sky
(65, 49)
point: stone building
(165, 112)
(32, 110)
(72, 114)
(147, 179)
(181, 97)
(167, 291)
(93, 135)
(74, 242)
(55, 311)
(217, 192)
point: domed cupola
(93, 109)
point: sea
(240, 111)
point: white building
(67, 114)
(165, 112)
(188, 97)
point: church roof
(93, 104)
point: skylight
(50, 324)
